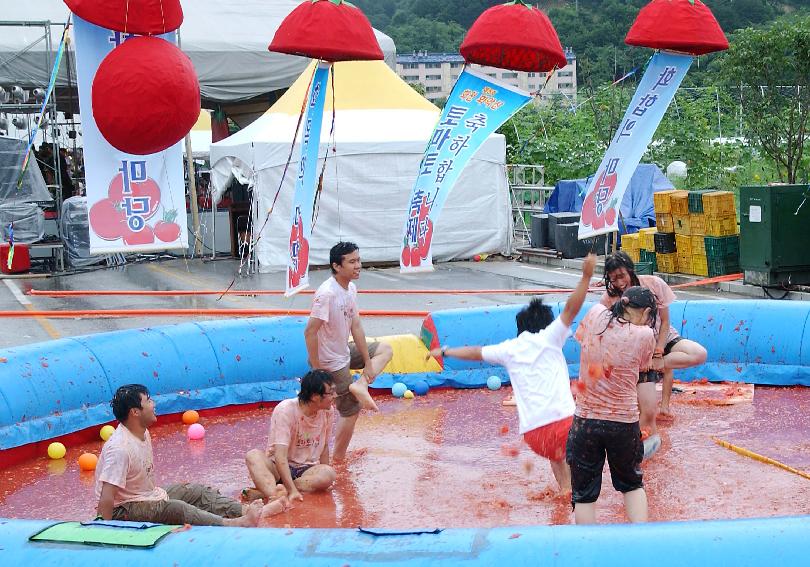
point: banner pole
(192, 185)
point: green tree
(415, 34)
(771, 69)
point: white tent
(226, 40)
(381, 129)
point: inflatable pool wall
(52, 389)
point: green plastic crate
(696, 200)
(648, 257)
(723, 248)
(645, 268)
(723, 266)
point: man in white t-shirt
(539, 374)
(297, 454)
(125, 484)
(333, 318)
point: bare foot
(275, 507)
(359, 390)
(249, 520)
(665, 416)
(510, 401)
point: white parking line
(15, 291)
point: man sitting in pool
(297, 454)
(125, 485)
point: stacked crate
(665, 252)
(630, 244)
(722, 241)
(646, 241)
(663, 211)
(697, 221)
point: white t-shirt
(336, 307)
(539, 374)
(126, 462)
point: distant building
(437, 72)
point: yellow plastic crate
(683, 244)
(646, 238)
(667, 263)
(630, 241)
(682, 223)
(664, 223)
(661, 202)
(684, 263)
(679, 203)
(718, 204)
(700, 265)
(634, 253)
(698, 245)
(723, 226)
(697, 222)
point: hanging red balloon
(146, 96)
(514, 36)
(140, 17)
(332, 30)
(686, 26)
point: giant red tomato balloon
(141, 17)
(146, 96)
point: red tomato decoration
(333, 30)
(686, 26)
(141, 17)
(107, 220)
(514, 36)
(146, 96)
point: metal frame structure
(528, 195)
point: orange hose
(95, 313)
(180, 292)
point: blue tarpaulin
(637, 206)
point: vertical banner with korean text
(604, 193)
(135, 203)
(304, 196)
(476, 107)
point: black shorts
(650, 375)
(589, 442)
(672, 343)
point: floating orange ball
(88, 461)
(190, 417)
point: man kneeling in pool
(125, 485)
(297, 454)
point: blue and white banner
(476, 107)
(135, 203)
(604, 193)
(304, 197)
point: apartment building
(437, 72)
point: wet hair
(338, 251)
(635, 296)
(534, 317)
(614, 262)
(314, 383)
(126, 398)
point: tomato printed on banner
(143, 236)
(166, 230)
(108, 220)
(599, 207)
(299, 251)
(412, 255)
(147, 188)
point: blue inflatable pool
(54, 389)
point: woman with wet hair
(671, 350)
(617, 345)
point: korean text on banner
(134, 203)
(606, 189)
(304, 196)
(476, 107)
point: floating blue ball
(421, 388)
(493, 383)
(398, 389)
